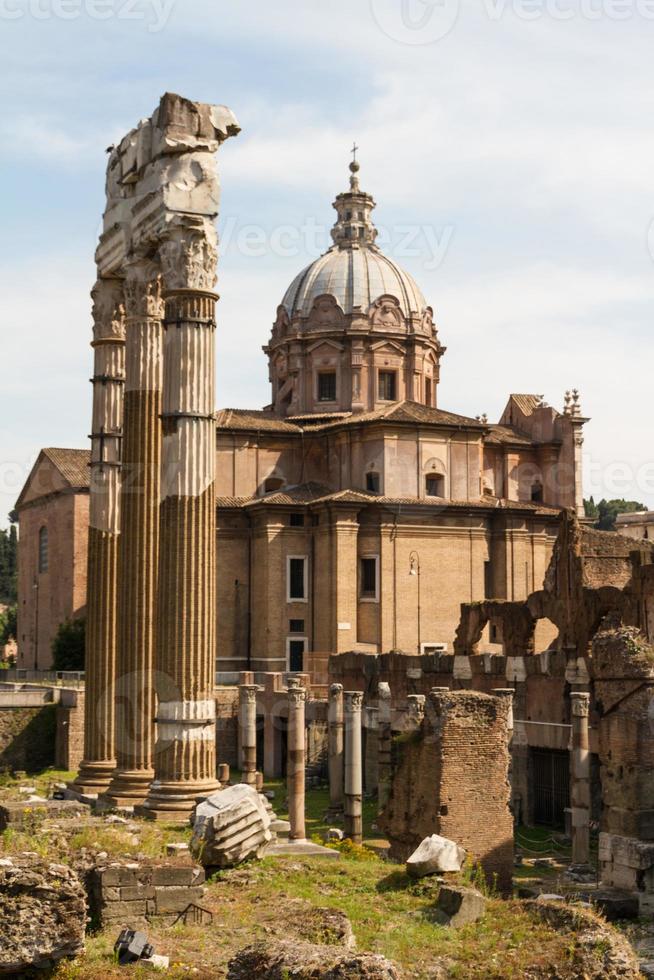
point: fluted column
(580, 778)
(247, 696)
(138, 559)
(335, 748)
(353, 767)
(185, 753)
(104, 526)
(296, 761)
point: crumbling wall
(27, 737)
(450, 777)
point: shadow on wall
(27, 737)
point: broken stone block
(434, 855)
(230, 826)
(615, 904)
(155, 962)
(335, 834)
(458, 906)
(42, 915)
(305, 961)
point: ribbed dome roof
(354, 277)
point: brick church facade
(354, 513)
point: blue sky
(508, 143)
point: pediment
(388, 347)
(326, 345)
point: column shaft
(102, 564)
(383, 745)
(580, 778)
(185, 755)
(138, 557)
(353, 767)
(248, 723)
(296, 761)
(335, 739)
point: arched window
(273, 484)
(43, 549)
(537, 492)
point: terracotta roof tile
(246, 419)
(73, 464)
(500, 434)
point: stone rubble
(290, 960)
(459, 906)
(434, 855)
(42, 915)
(229, 827)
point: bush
(8, 629)
(68, 645)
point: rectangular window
(372, 482)
(43, 550)
(388, 386)
(296, 520)
(295, 650)
(435, 485)
(327, 386)
(369, 578)
(296, 578)
(427, 391)
(296, 626)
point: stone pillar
(247, 696)
(335, 734)
(185, 752)
(384, 735)
(507, 693)
(104, 526)
(139, 541)
(353, 767)
(295, 764)
(580, 778)
(415, 710)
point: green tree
(8, 564)
(605, 513)
(8, 629)
(68, 645)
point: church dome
(353, 331)
(355, 277)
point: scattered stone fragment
(458, 906)
(176, 848)
(155, 962)
(230, 826)
(434, 855)
(42, 915)
(334, 833)
(290, 960)
(550, 897)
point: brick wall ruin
(450, 777)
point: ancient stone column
(185, 752)
(580, 778)
(353, 767)
(383, 744)
(296, 762)
(247, 696)
(139, 542)
(335, 738)
(507, 694)
(415, 710)
(104, 527)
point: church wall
(232, 589)
(61, 590)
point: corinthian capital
(297, 695)
(353, 700)
(189, 257)
(108, 311)
(248, 693)
(144, 291)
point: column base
(93, 778)
(129, 787)
(174, 801)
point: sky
(508, 143)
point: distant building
(53, 513)
(639, 525)
(353, 513)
